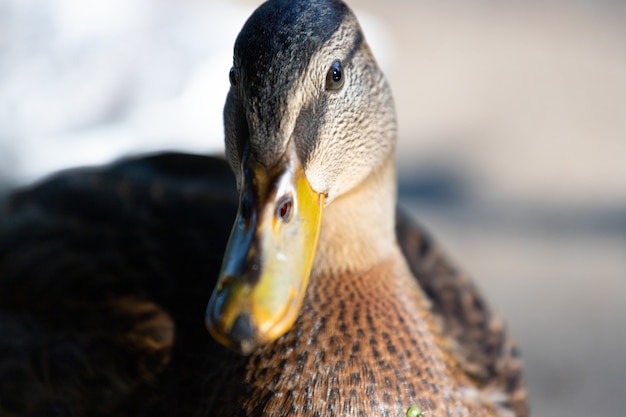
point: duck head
(308, 117)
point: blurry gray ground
(512, 150)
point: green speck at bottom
(414, 412)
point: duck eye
(334, 77)
(284, 208)
(232, 77)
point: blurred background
(512, 142)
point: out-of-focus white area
(83, 82)
(512, 141)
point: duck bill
(268, 259)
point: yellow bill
(268, 259)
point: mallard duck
(314, 286)
(328, 301)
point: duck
(314, 287)
(324, 298)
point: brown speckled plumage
(477, 338)
(364, 345)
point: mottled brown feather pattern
(347, 342)
(363, 345)
(474, 334)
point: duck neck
(358, 228)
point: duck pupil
(336, 75)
